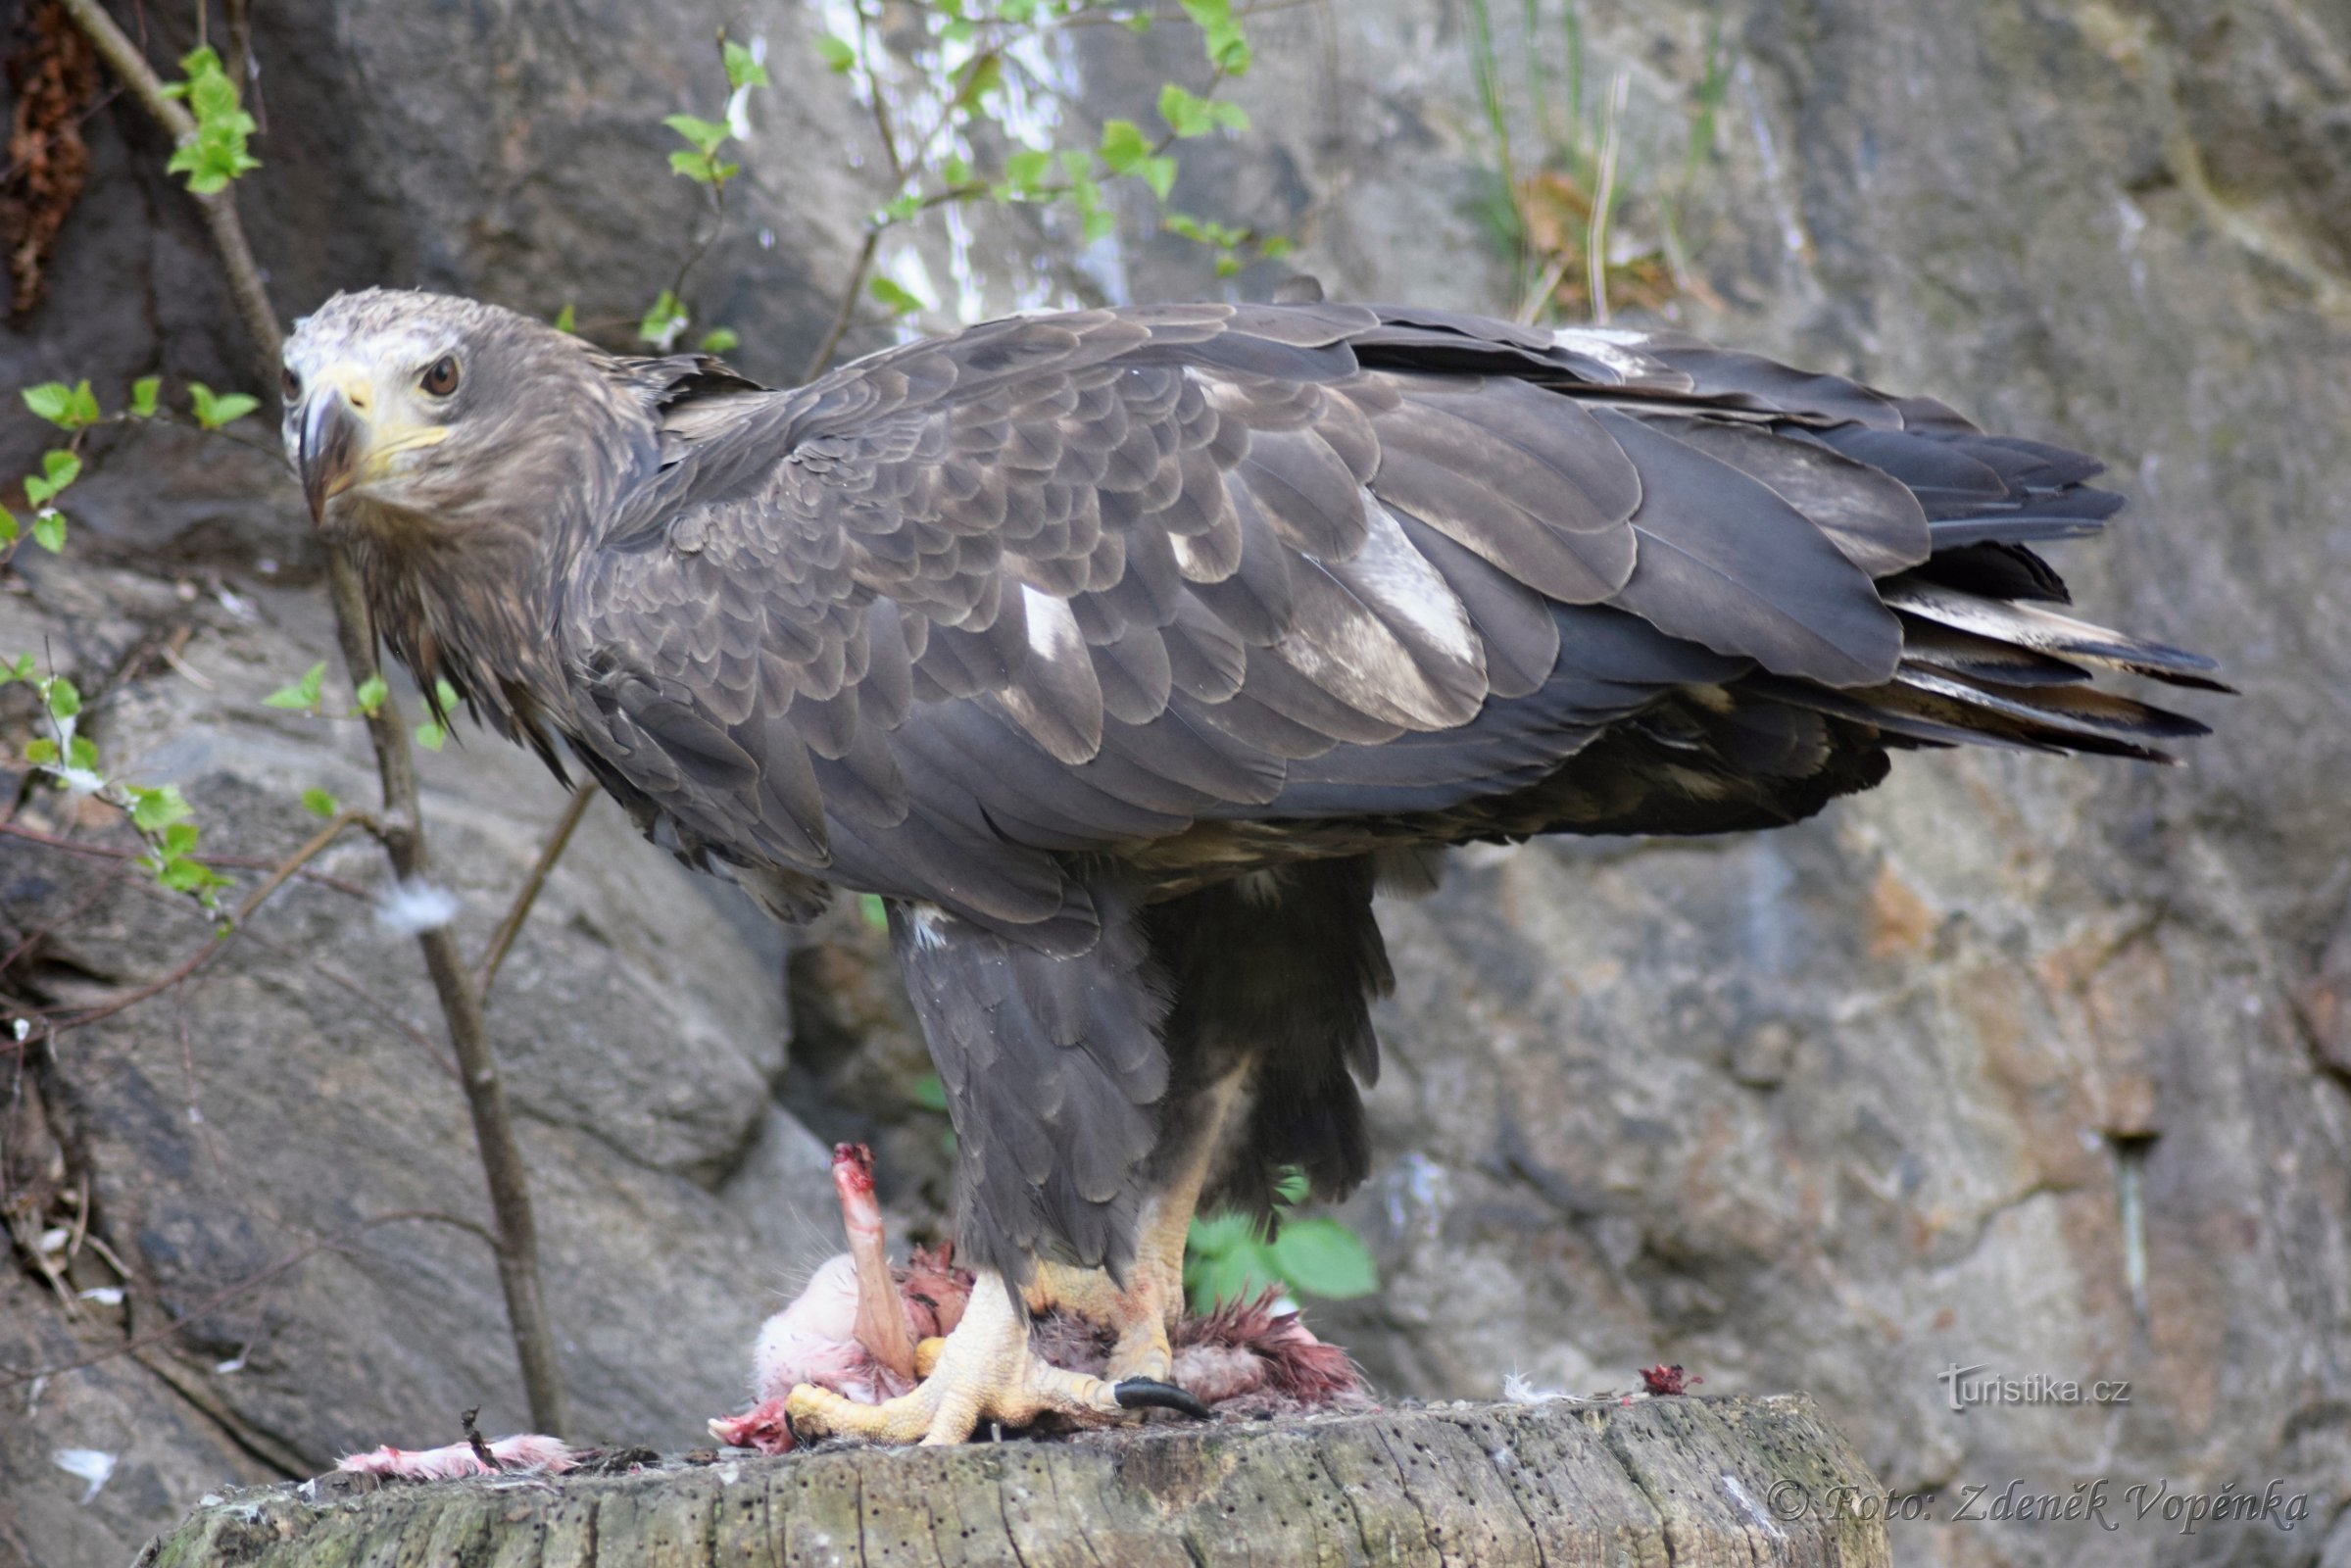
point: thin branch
(220, 208)
(242, 862)
(11, 1376)
(468, 1031)
(1595, 239)
(378, 1010)
(823, 357)
(276, 879)
(403, 826)
(873, 92)
(486, 971)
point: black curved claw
(1150, 1394)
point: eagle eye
(440, 376)
(291, 385)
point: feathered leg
(1144, 1311)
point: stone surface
(2026, 1065)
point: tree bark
(1565, 1484)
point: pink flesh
(528, 1453)
(881, 1323)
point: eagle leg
(984, 1371)
(1146, 1309)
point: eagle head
(420, 413)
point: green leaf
(59, 468)
(893, 297)
(955, 171)
(1160, 174)
(213, 409)
(929, 1093)
(1239, 1275)
(839, 57)
(1186, 114)
(1291, 1187)
(1274, 247)
(743, 68)
(216, 153)
(64, 700)
(874, 910)
(183, 876)
(1221, 1234)
(370, 695)
(69, 407)
(154, 809)
(700, 168)
(23, 669)
(304, 694)
(319, 804)
(664, 322)
(7, 531)
(143, 394)
(40, 753)
(983, 75)
(180, 837)
(704, 134)
(1123, 147)
(903, 208)
(444, 695)
(565, 319)
(49, 531)
(82, 752)
(1026, 170)
(1323, 1257)
(720, 340)
(432, 736)
(1228, 51)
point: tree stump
(1565, 1484)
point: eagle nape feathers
(1123, 653)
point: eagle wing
(1066, 584)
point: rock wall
(2033, 1065)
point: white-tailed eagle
(1122, 652)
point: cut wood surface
(1563, 1484)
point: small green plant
(1231, 1258)
(1593, 214)
(159, 813)
(216, 154)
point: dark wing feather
(933, 624)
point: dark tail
(1985, 660)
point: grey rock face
(2025, 1063)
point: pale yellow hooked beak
(349, 435)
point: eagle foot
(985, 1371)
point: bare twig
(873, 91)
(823, 357)
(486, 971)
(469, 1032)
(220, 208)
(1596, 243)
(403, 828)
(204, 955)
(11, 1376)
(243, 863)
